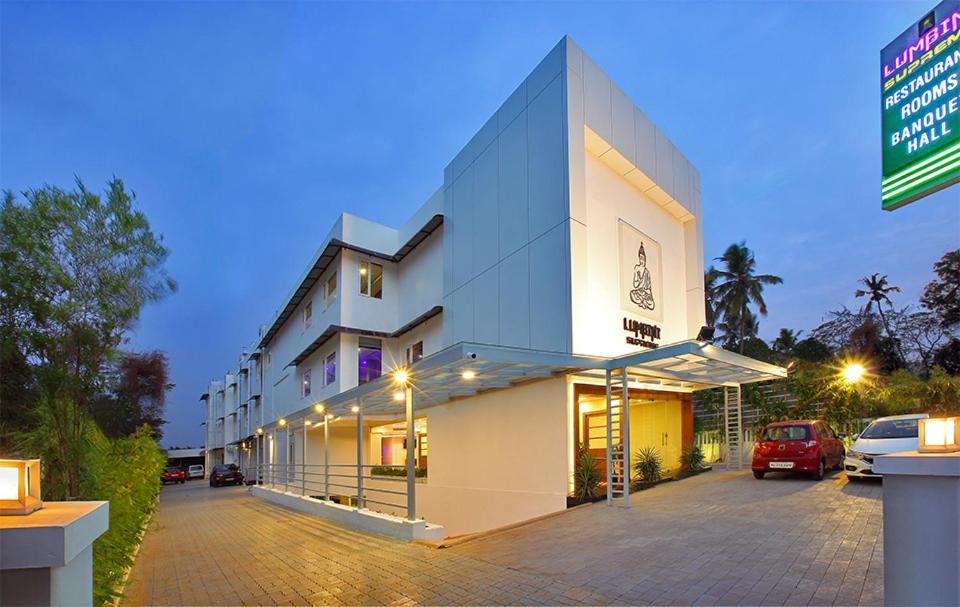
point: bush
(397, 471)
(586, 477)
(126, 472)
(648, 465)
(692, 459)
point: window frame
(365, 276)
(308, 314)
(306, 383)
(327, 380)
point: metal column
(326, 456)
(411, 457)
(625, 433)
(286, 460)
(609, 443)
(303, 462)
(360, 456)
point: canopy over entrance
(466, 369)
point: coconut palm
(740, 287)
(786, 341)
(877, 291)
(712, 304)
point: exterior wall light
(355, 409)
(282, 422)
(260, 431)
(401, 376)
(469, 375)
(852, 373)
(319, 407)
(939, 435)
(398, 396)
(19, 486)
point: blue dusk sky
(245, 129)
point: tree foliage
(942, 295)
(738, 287)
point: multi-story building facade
(558, 267)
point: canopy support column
(625, 433)
(733, 426)
(360, 455)
(303, 462)
(411, 456)
(326, 456)
(609, 442)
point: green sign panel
(920, 101)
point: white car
(195, 471)
(883, 436)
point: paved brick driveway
(714, 539)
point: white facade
(568, 224)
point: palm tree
(786, 341)
(741, 286)
(877, 292)
(712, 306)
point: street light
(853, 373)
(401, 376)
(319, 407)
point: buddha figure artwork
(642, 293)
(640, 274)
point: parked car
(883, 436)
(797, 446)
(195, 471)
(226, 474)
(172, 474)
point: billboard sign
(920, 101)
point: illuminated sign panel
(920, 88)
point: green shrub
(586, 477)
(397, 471)
(692, 459)
(126, 472)
(648, 465)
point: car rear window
(784, 433)
(173, 469)
(893, 428)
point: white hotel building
(561, 259)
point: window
(305, 384)
(307, 314)
(415, 353)
(330, 290)
(371, 279)
(330, 369)
(369, 360)
(785, 433)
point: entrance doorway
(659, 420)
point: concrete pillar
(411, 456)
(921, 528)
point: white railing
(345, 484)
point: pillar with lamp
(47, 548)
(921, 517)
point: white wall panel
(550, 291)
(486, 291)
(486, 215)
(515, 300)
(513, 197)
(545, 119)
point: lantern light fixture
(355, 409)
(398, 396)
(282, 422)
(260, 431)
(939, 435)
(319, 407)
(19, 486)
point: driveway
(717, 538)
(714, 539)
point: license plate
(785, 465)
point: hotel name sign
(920, 102)
(641, 334)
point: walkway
(714, 539)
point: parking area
(718, 538)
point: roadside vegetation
(76, 268)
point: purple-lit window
(370, 360)
(330, 370)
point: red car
(797, 446)
(172, 475)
